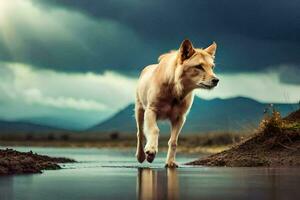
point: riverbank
(203, 143)
(99, 173)
(14, 162)
(276, 144)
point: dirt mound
(293, 117)
(277, 143)
(14, 162)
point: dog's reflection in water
(157, 184)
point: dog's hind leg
(152, 133)
(177, 125)
(139, 117)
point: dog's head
(196, 66)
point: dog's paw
(171, 164)
(150, 155)
(151, 151)
(141, 156)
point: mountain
(234, 114)
(19, 126)
(59, 122)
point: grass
(276, 130)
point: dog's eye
(199, 67)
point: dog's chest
(169, 108)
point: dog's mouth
(202, 85)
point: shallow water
(115, 174)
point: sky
(75, 63)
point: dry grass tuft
(275, 130)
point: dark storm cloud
(274, 20)
(251, 35)
(289, 74)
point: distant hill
(19, 126)
(59, 122)
(234, 114)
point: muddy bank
(276, 144)
(14, 162)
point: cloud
(289, 74)
(84, 98)
(24, 81)
(263, 86)
(254, 18)
(64, 40)
(34, 96)
(251, 35)
(75, 36)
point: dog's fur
(165, 92)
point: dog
(165, 92)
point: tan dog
(165, 92)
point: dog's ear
(211, 49)
(186, 49)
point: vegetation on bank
(276, 143)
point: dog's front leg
(176, 128)
(139, 116)
(152, 133)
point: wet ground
(115, 174)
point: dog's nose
(215, 81)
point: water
(115, 174)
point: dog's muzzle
(215, 81)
